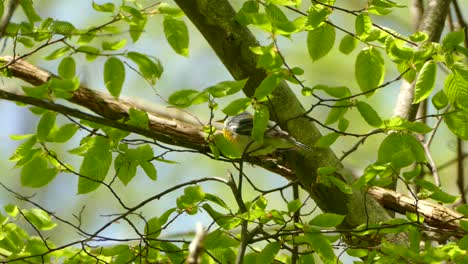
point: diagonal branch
(182, 133)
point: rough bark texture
(185, 134)
(231, 41)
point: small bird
(238, 129)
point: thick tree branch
(182, 133)
(215, 19)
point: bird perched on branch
(238, 129)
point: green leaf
(341, 185)
(95, 170)
(320, 41)
(463, 243)
(138, 118)
(439, 100)
(267, 86)
(369, 69)
(63, 88)
(260, 122)
(452, 39)
(125, 168)
(137, 26)
(294, 205)
(149, 69)
(63, 134)
(327, 140)
(225, 88)
(185, 98)
(227, 148)
(369, 114)
(419, 36)
(67, 68)
(226, 222)
(116, 45)
(107, 7)
(166, 9)
(45, 125)
(267, 255)
(114, 76)
(237, 106)
(317, 15)
(463, 209)
(401, 150)
(219, 239)
(177, 35)
(36, 173)
(457, 122)
(153, 226)
(57, 53)
(279, 21)
(268, 57)
(336, 113)
(347, 44)
(39, 218)
(327, 220)
(398, 123)
(149, 169)
(29, 11)
(357, 252)
(425, 81)
(456, 86)
(335, 91)
(40, 92)
(363, 25)
(320, 244)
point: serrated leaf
(94, 170)
(369, 114)
(457, 122)
(36, 173)
(91, 52)
(45, 125)
(363, 25)
(237, 106)
(165, 8)
(347, 44)
(150, 69)
(114, 76)
(177, 35)
(369, 69)
(320, 41)
(335, 91)
(425, 81)
(453, 38)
